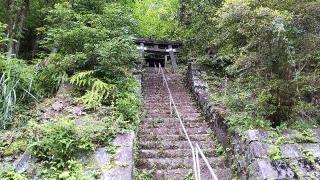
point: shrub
(57, 143)
(9, 173)
(269, 53)
(51, 72)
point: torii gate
(162, 47)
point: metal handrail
(195, 151)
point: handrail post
(198, 165)
(194, 163)
(171, 110)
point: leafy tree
(270, 49)
(156, 19)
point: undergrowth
(249, 110)
(16, 87)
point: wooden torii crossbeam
(165, 47)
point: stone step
(163, 146)
(161, 107)
(164, 94)
(160, 87)
(173, 131)
(172, 124)
(167, 115)
(185, 120)
(178, 104)
(167, 98)
(164, 90)
(174, 137)
(167, 111)
(167, 101)
(176, 163)
(167, 144)
(182, 174)
(172, 153)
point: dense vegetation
(87, 44)
(262, 58)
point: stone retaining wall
(213, 111)
(261, 154)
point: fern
(83, 79)
(98, 91)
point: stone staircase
(163, 147)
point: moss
(275, 153)
(16, 147)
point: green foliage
(144, 175)
(197, 25)
(51, 73)
(9, 173)
(2, 34)
(275, 153)
(116, 57)
(74, 170)
(308, 156)
(268, 50)
(16, 80)
(156, 19)
(128, 103)
(99, 91)
(18, 146)
(58, 142)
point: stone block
(317, 135)
(262, 170)
(283, 170)
(307, 169)
(22, 164)
(256, 135)
(101, 158)
(313, 148)
(291, 151)
(291, 135)
(123, 159)
(258, 150)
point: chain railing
(196, 150)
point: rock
(64, 89)
(78, 111)
(258, 150)
(256, 135)
(8, 158)
(123, 159)
(57, 106)
(283, 170)
(22, 164)
(79, 122)
(291, 151)
(101, 158)
(262, 170)
(138, 78)
(313, 148)
(317, 135)
(307, 168)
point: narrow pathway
(163, 146)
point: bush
(9, 173)
(56, 143)
(270, 52)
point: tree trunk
(15, 27)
